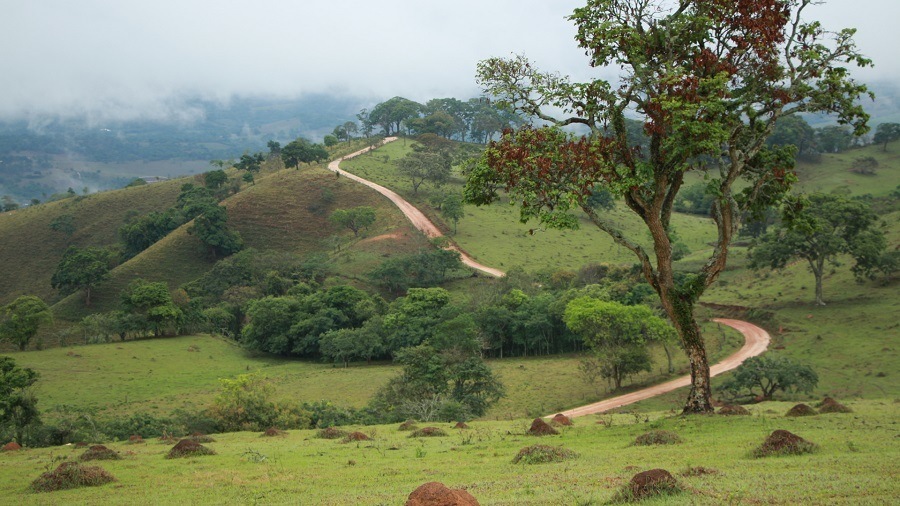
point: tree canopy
(818, 229)
(21, 319)
(82, 269)
(709, 81)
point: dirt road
(756, 340)
(419, 220)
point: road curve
(756, 340)
(419, 220)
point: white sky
(125, 58)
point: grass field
(160, 375)
(855, 464)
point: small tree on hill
(885, 133)
(818, 230)
(21, 319)
(355, 219)
(82, 269)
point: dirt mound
(12, 446)
(651, 483)
(691, 472)
(199, 437)
(71, 475)
(561, 419)
(829, 405)
(541, 428)
(135, 439)
(408, 425)
(331, 433)
(99, 452)
(733, 410)
(782, 442)
(188, 448)
(801, 410)
(167, 439)
(540, 454)
(274, 432)
(657, 437)
(356, 436)
(437, 494)
(428, 432)
(460, 425)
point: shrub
(540, 454)
(769, 375)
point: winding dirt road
(756, 340)
(419, 220)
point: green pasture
(855, 464)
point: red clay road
(419, 220)
(756, 340)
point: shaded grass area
(854, 464)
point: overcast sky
(121, 58)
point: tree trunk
(819, 272)
(682, 314)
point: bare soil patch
(647, 484)
(437, 494)
(733, 410)
(460, 425)
(801, 410)
(71, 475)
(356, 436)
(99, 452)
(331, 433)
(189, 448)
(541, 428)
(428, 432)
(829, 405)
(561, 419)
(540, 454)
(657, 437)
(782, 442)
(408, 425)
(12, 446)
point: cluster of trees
(475, 120)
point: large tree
(18, 407)
(709, 80)
(21, 319)
(885, 133)
(818, 229)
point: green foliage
(245, 403)
(770, 375)
(215, 179)
(64, 224)
(153, 303)
(618, 334)
(885, 133)
(425, 165)
(18, 407)
(300, 151)
(211, 227)
(82, 269)
(21, 319)
(423, 269)
(250, 163)
(818, 229)
(452, 209)
(354, 219)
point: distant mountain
(44, 156)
